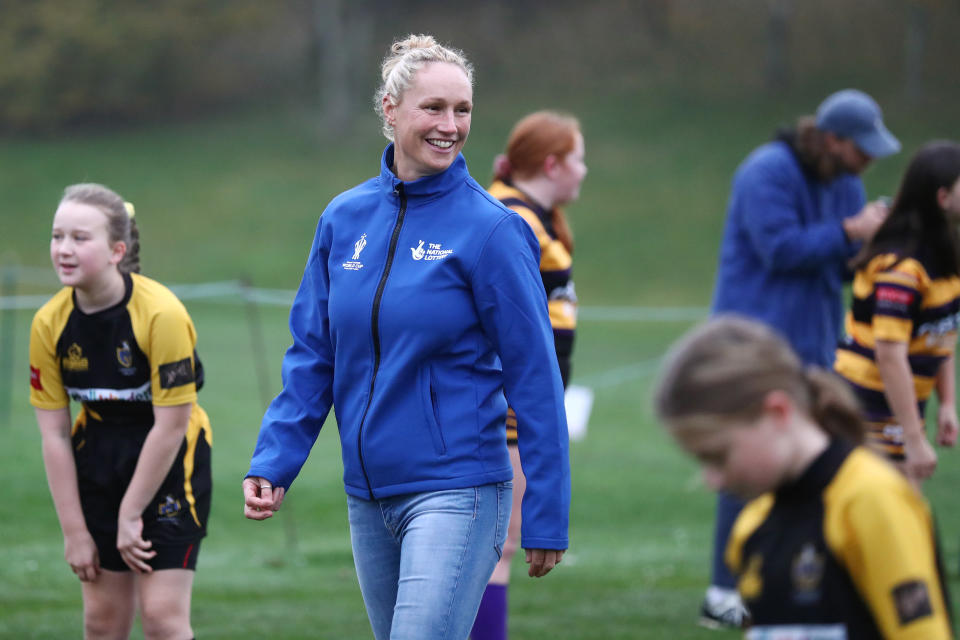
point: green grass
(241, 196)
(640, 521)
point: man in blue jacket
(797, 213)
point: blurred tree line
(78, 62)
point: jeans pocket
(504, 503)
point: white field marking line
(619, 375)
(234, 291)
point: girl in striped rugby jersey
(901, 331)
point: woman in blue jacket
(421, 305)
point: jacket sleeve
(293, 420)
(768, 201)
(513, 312)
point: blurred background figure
(419, 396)
(901, 332)
(131, 479)
(797, 213)
(834, 543)
(541, 170)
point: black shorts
(181, 556)
(174, 519)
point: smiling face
(80, 246)
(431, 121)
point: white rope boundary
(233, 291)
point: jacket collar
(426, 187)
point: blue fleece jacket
(784, 252)
(421, 305)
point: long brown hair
(916, 222)
(533, 139)
(724, 368)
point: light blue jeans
(423, 559)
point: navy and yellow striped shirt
(556, 268)
(897, 299)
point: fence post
(8, 319)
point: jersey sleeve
(46, 385)
(553, 255)
(897, 292)
(888, 549)
(172, 341)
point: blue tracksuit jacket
(784, 253)
(421, 305)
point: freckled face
(80, 246)
(432, 120)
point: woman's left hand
(947, 425)
(541, 561)
(134, 550)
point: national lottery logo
(433, 251)
(418, 252)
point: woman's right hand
(81, 554)
(921, 458)
(260, 498)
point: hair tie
(130, 210)
(501, 167)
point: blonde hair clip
(130, 210)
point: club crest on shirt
(168, 508)
(354, 264)
(806, 571)
(75, 360)
(125, 358)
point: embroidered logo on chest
(125, 358)
(434, 251)
(806, 572)
(75, 360)
(354, 264)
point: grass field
(241, 197)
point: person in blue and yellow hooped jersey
(833, 543)
(130, 479)
(541, 170)
(901, 331)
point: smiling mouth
(440, 144)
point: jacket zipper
(374, 325)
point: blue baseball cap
(853, 114)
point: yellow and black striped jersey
(556, 269)
(555, 261)
(118, 362)
(897, 299)
(845, 552)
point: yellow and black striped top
(846, 551)
(556, 268)
(119, 362)
(898, 299)
(556, 264)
